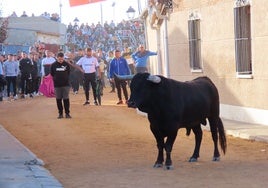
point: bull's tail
(222, 136)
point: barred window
(242, 40)
(194, 44)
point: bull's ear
(154, 79)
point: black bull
(171, 105)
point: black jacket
(26, 67)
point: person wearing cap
(120, 67)
(11, 69)
(60, 71)
(90, 67)
(140, 58)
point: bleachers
(106, 36)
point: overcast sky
(89, 13)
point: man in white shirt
(90, 66)
(46, 63)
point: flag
(82, 2)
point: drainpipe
(159, 53)
(166, 51)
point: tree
(3, 29)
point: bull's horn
(124, 77)
(154, 79)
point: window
(194, 44)
(242, 40)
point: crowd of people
(108, 36)
(92, 53)
(53, 16)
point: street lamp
(130, 12)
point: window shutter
(194, 44)
(242, 40)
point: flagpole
(101, 14)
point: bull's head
(141, 86)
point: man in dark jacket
(26, 68)
(60, 71)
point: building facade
(26, 31)
(225, 40)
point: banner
(82, 2)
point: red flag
(82, 2)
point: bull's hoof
(192, 159)
(158, 165)
(216, 159)
(168, 167)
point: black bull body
(171, 105)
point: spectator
(24, 14)
(90, 66)
(78, 75)
(109, 60)
(2, 81)
(120, 67)
(11, 69)
(47, 62)
(140, 58)
(60, 71)
(38, 59)
(13, 14)
(26, 67)
(127, 55)
(102, 65)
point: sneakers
(96, 103)
(60, 116)
(86, 103)
(68, 116)
(120, 102)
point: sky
(90, 13)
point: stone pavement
(19, 167)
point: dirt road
(110, 146)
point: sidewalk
(245, 130)
(19, 167)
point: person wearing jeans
(120, 67)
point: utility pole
(60, 11)
(139, 6)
